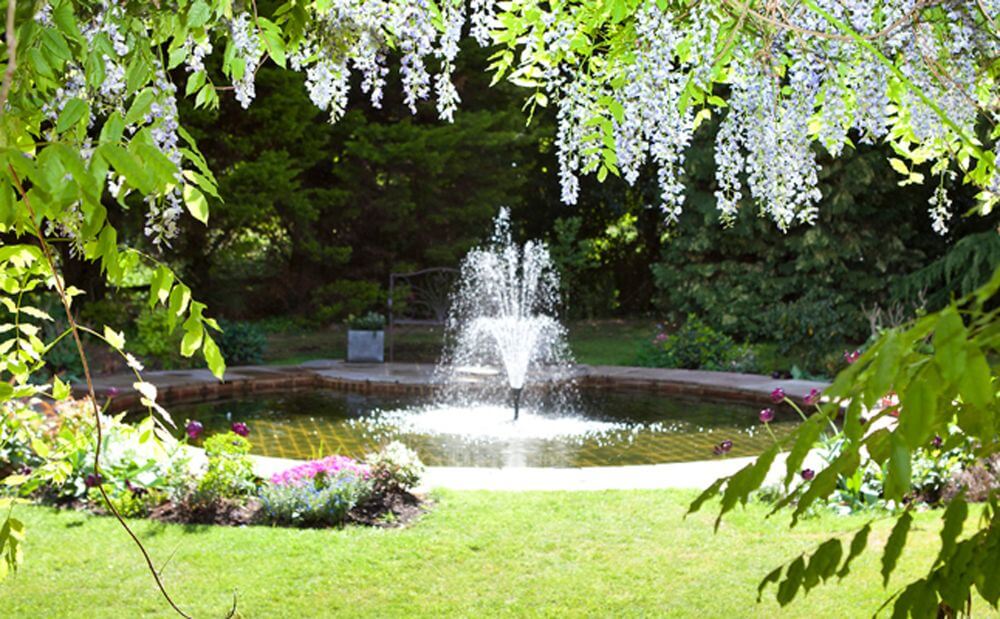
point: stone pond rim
(195, 385)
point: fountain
(502, 327)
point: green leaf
(213, 357)
(196, 203)
(115, 338)
(74, 111)
(894, 546)
(858, 544)
(159, 285)
(793, 580)
(198, 14)
(140, 106)
(805, 439)
(126, 164)
(823, 563)
(194, 333)
(773, 577)
(919, 406)
(897, 479)
(954, 519)
(949, 343)
(976, 384)
(885, 368)
(709, 493)
(60, 390)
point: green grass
(599, 342)
(477, 554)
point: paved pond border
(176, 386)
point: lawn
(477, 554)
(593, 342)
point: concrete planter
(365, 346)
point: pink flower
(812, 398)
(767, 415)
(193, 429)
(241, 428)
(308, 470)
(778, 395)
(850, 356)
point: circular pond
(605, 428)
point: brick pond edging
(199, 385)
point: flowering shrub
(306, 473)
(395, 468)
(320, 500)
(230, 470)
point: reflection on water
(609, 428)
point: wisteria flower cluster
(787, 83)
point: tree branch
(60, 289)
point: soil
(392, 510)
(389, 511)
(222, 512)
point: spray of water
(503, 337)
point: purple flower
(767, 415)
(193, 429)
(778, 395)
(241, 428)
(723, 448)
(850, 356)
(812, 398)
(807, 474)
(113, 391)
(937, 442)
(92, 480)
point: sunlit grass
(477, 554)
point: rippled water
(606, 428)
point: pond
(605, 428)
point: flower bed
(47, 454)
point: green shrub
(156, 341)
(372, 321)
(343, 298)
(230, 470)
(242, 343)
(395, 468)
(696, 345)
(324, 500)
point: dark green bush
(696, 346)
(242, 343)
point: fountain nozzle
(517, 401)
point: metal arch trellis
(427, 301)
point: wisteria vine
(787, 85)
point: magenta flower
(241, 428)
(307, 471)
(92, 480)
(767, 415)
(812, 397)
(778, 395)
(113, 391)
(937, 442)
(807, 474)
(193, 429)
(722, 448)
(850, 356)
